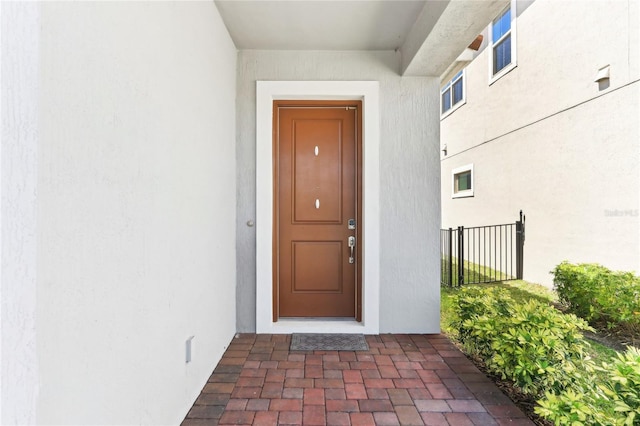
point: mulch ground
(525, 402)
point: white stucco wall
(18, 180)
(408, 184)
(547, 139)
(128, 140)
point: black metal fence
(482, 254)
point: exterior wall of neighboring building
(547, 139)
(130, 150)
(408, 189)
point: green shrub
(599, 295)
(616, 401)
(542, 351)
(473, 303)
(568, 408)
(623, 391)
(531, 344)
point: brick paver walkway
(401, 380)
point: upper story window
(502, 43)
(501, 39)
(452, 94)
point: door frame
(368, 93)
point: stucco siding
(18, 213)
(547, 139)
(408, 187)
(136, 208)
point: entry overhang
(428, 43)
(442, 31)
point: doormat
(328, 342)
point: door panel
(316, 194)
(317, 176)
(317, 266)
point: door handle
(352, 244)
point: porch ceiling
(430, 34)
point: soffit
(429, 34)
(319, 25)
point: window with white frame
(503, 54)
(462, 181)
(452, 94)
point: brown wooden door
(317, 193)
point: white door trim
(266, 93)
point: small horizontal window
(463, 181)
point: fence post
(520, 246)
(460, 255)
(450, 261)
